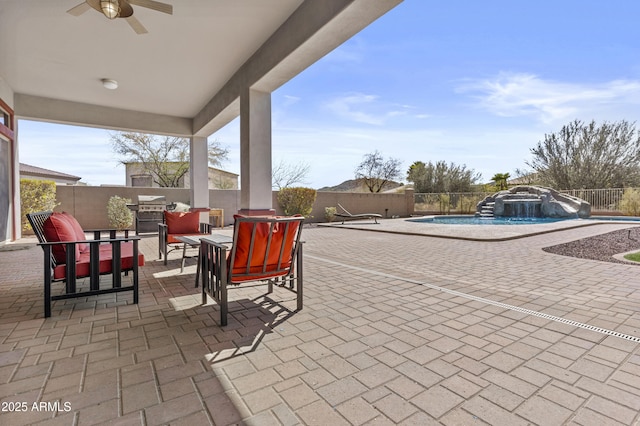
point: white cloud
(351, 107)
(367, 109)
(520, 94)
(290, 100)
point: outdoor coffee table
(193, 241)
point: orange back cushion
(58, 228)
(182, 222)
(243, 242)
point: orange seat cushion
(82, 264)
(186, 223)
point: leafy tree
(36, 196)
(285, 175)
(525, 177)
(376, 173)
(589, 156)
(500, 180)
(440, 177)
(165, 158)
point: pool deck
(397, 328)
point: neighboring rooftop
(34, 172)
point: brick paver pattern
(395, 330)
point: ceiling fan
(113, 9)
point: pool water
(472, 220)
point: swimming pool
(473, 220)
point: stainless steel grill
(149, 212)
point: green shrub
(297, 200)
(468, 204)
(630, 202)
(36, 196)
(120, 216)
(445, 203)
(330, 213)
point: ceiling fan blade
(95, 4)
(154, 5)
(136, 25)
(79, 9)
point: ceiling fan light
(110, 8)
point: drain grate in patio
(489, 302)
(540, 314)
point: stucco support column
(255, 153)
(199, 174)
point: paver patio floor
(396, 329)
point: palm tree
(500, 180)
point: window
(141, 180)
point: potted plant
(120, 216)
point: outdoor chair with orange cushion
(264, 249)
(68, 255)
(178, 224)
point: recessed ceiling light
(109, 83)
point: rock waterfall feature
(526, 201)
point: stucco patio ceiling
(184, 76)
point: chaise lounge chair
(346, 215)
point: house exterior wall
(9, 176)
(5, 191)
(218, 179)
(6, 94)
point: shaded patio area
(396, 329)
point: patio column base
(257, 212)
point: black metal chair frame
(37, 223)
(217, 274)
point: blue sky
(474, 83)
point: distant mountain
(355, 185)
